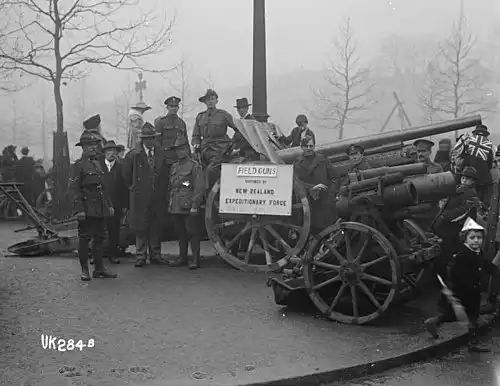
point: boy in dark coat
(464, 280)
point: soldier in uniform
(93, 125)
(357, 161)
(186, 194)
(210, 135)
(169, 127)
(240, 144)
(91, 205)
(424, 149)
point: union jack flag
(479, 146)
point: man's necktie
(151, 159)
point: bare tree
(429, 94)
(58, 41)
(182, 87)
(461, 81)
(348, 93)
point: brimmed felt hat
(210, 92)
(148, 131)
(423, 144)
(242, 102)
(469, 171)
(111, 145)
(88, 138)
(482, 130)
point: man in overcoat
(186, 194)
(144, 174)
(117, 192)
(321, 181)
(25, 174)
(91, 206)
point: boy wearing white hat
(464, 280)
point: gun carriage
(374, 255)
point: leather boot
(194, 261)
(83, 257)
(431, 326)
(85, 276)
(182, 259)
(100, 271)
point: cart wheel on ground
(351, 273)
(256, 243)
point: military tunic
(210, 132)
(170, 127)
(88, 196)
(186, 193)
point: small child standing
(464, 280)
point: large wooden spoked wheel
(351, 272)
(411, 282)
(256, 243)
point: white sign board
(256, 189)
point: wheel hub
(350, 273)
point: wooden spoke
(354, 296)
(348, 246)
(253, 238)
(369, 294)
(326, 265)
(265, 246)
(228, 224)
(238, 236)
(377, 279)
(362, 249)
(376, 261)
(337, 297)
(332, 249)
(277, 236)
(332, 280)
(410, 280)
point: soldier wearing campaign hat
(424, 149)
(91, 205)
(187, 187)
(144, 169)
(170, 127)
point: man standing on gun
(91, 205)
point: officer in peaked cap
(187, 187)
(357, 162)
(424, 149)
(169, 127)
(91, 205)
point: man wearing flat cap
(169, 128)
(240, 144)
(210, 131)
(187, 188)
(424, 149)
(91, 205)
(144, 172)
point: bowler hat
(210, 92)
(111, 145)
(25, 150)
(88, 138)
(242, 102)
(173, 100)
(92, 123)
(148, 131)
(469, 171)
(423, 144)
(482, 130)
(355, 149)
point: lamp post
(259, 83)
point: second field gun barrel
(334, 148)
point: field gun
(260, 243)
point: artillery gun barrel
(371, 183)
(373, 151)
(405, 170)
(433, 187)
(334, 148)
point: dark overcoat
(293, 140)
(147, 188)
(115, 186)
(318, 170)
